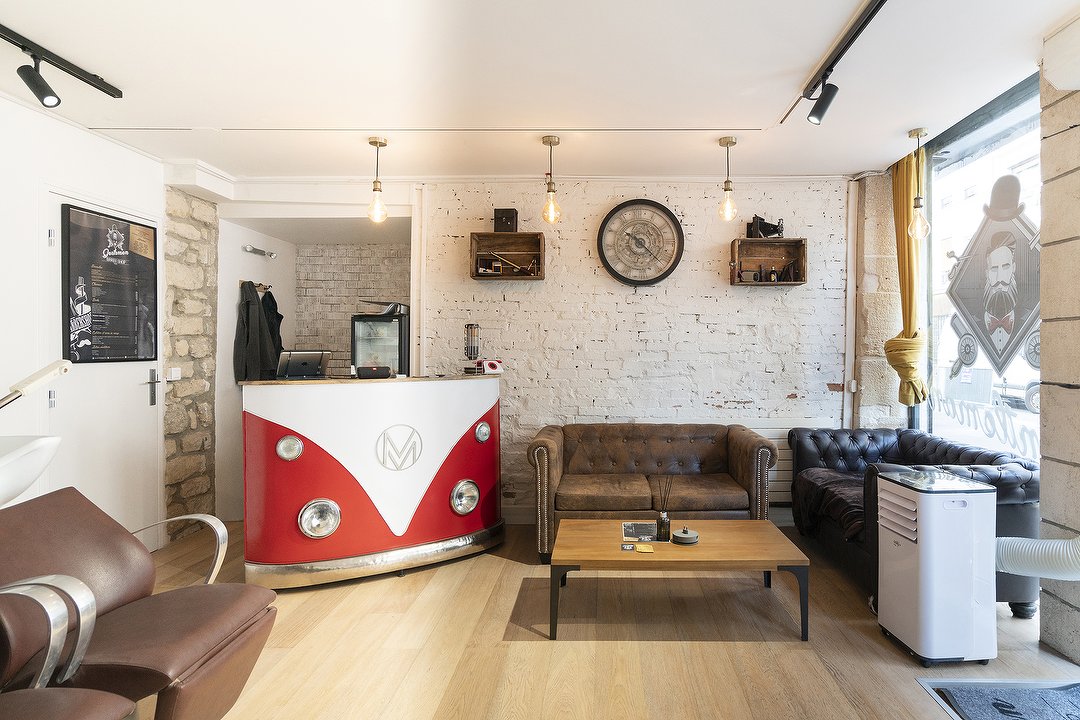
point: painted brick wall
(1060, 418)
(581, 347)
(331, 279)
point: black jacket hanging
(253, 350)
(273, 321)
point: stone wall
(877, 308)
(331, 279)
(188, 343)
(1060, 417)
(581, 347)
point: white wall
(581, 347)
(43, 156)
(234, 265)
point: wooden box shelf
(761, 255)
(506, 256)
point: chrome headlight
(483, 432)
(319, 518)
(464, 497)
(289, 447)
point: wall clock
(640, 242)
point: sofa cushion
(619, 491)
(818, 493)
(717, 491)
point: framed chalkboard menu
(109, 287)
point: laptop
(303, 364)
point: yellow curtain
(905, 351)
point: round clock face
(640, 242)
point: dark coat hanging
(253, 351)
(273, 321)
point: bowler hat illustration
(1005, 202)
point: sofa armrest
(750, 456)
(1016, 484)
(545, 454)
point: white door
(112, 441)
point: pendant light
(377, 209)
(919, 228)
(551, 212)
(728, 211)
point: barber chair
(41, 702)
(193, 647)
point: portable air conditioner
(936, 549)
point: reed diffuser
(663, 524)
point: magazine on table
(639, 531)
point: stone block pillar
(1060, 308)
(191, 235)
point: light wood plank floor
(468, 639)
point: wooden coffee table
(723, 545)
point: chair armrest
(82, 598)
(750, 456)
(56, 614)
(220, 532)
(545, 454)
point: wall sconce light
(919, 228)
(377, 209)
(551, 212)
(31, 75)
(728, 211)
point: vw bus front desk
(347, 478)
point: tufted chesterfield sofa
(617, 471)
(834, 493)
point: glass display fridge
(382, 339)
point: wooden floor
(468, 639)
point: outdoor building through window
(982, 265)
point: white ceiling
(467, 87)
(332, 231)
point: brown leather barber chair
(193, 647)
(41, 702)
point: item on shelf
(785, 256)
(506, 219)
(773, 275)
(761, 228)
(373, 372)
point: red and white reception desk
(348, 478)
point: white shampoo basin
(22, 460)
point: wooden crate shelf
(760, 255)
(506, 256)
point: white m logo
(398, 447)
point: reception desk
(347, 478)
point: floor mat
(997, 699)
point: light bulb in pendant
(377, 209)
(728, 211)
(919, 228)
(551, 212)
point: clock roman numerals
(640, 242)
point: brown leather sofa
(617, 470)
(193, 647)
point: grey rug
(1001, 700)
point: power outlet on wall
(172, 374)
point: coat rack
(259, 251)
(259, 287)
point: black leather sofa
(834, 494)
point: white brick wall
(581, 347)
(331, 279)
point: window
(982, 276)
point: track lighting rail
(825, 69)
(32, 48)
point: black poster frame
(101, 267)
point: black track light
(31, 75)
(828, 92)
